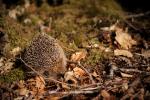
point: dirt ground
(107, 47)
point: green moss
(13, 75)
(18, 35)
(99, 7)
(62, 37)
(35, 19)
(94, 57)
(79, 39)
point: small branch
(79, 64)
(73, 92)
(131, 25)
(138, 15)
(91, 85)
(84, 91)
(54, 80)
(32, 69)
(130, 70)
(91, 89)
(90, 76)
(133, 70)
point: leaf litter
(122, 74)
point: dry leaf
(126, 53)
(125, 86)
(1, 61)
(21, 84)
(78, 72)
(52, 97)
(105, 95)
(15, 51)
(146, 53)
(66, 87)
(124, 39)
(36, 85)
(111, 28)
(126, 75)
(69, 76)
(78, 56)
(102, 48)
(6, 66)
(95, 74)
(40, 83)
(13, 14)
(23, 91)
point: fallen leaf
(6, 66)
(126, 53)
(111, 28)
(21, 84)
(66, 87)
(40, 83)
(78, 56)
(124, 39)
(125, 86)
(1, 61)
(15, 51)
(105, 95)
(78, 72)
(94, 74)
(13, 14)
(146, 53)
(23, 91)
(126, 75)
(36, 85)
(69, 77)
(52, 97)
(102, 48)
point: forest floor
(108, 51)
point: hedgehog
(44, 54)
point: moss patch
(94, 57)
(14, 75)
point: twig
(54, 80)
(131, 25)
(130, 70)
(134, 70)
(79, 64)
(91, 89)
(32, 69)
(73, 92)
(90, 76)
(137, 15)
(91, 85)
(131, 16)
(87, 91)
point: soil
(83, 29)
